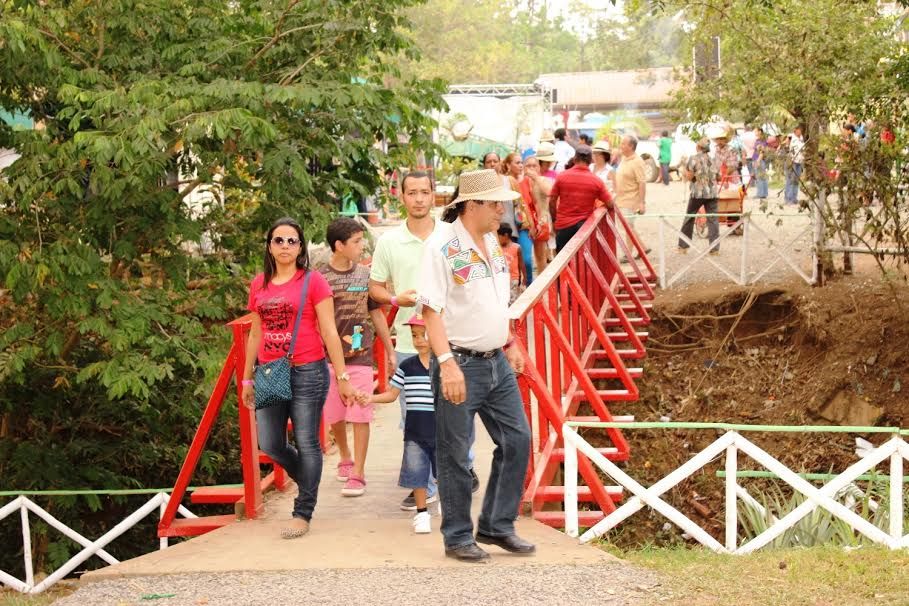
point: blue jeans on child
(492, 392)
(432, 488)
(418, 465)
(303, 463)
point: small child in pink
(512, 252)
(355, 316)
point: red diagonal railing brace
(248, 498)
(567, 320)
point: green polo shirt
(396, 260)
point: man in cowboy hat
(463, 295)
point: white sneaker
(422, 523)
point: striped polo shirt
(420, 421)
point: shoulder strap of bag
(293, 338)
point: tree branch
(102, 30)
(296, 72)
(73, 54)
(189, 188)
(278, 35)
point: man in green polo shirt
(396, 260)
(396, 269)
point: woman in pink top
(274, 298)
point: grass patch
(8, 597)
(815, 576)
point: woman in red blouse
(274, 298)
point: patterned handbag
(272, 380)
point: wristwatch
(343, 377)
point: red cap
(416, 320)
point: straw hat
(602, 146)
(718, 130)
(485, 185)
(546, 152)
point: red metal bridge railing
(247, 499)
(576, 325)
(568, 323)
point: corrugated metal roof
(613, 88)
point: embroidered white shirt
(470, 291)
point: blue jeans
(664, 173)
(303, 463)
(760, 168)
(492, 392)
(418, 465)
(526, 245)
(792, 183)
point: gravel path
(474, 585)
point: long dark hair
(302, 257)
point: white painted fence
(730, 444)
(761, 246)
(90, 548)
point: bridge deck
(363, 532)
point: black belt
(475, 354)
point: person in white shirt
(602, 165)
(749, 139)
(564, 151)
(463, 295)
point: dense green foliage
(115, 285)
(465, 41)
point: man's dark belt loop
(474, 354)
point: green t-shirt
(665, 150)
(396, 260)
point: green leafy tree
(638, 39)
(464, 41)
(171, 134)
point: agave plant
(820, 527)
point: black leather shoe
(512, 543)
(467, 553)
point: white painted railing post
(27, 548)
(732, 513)
(896, 498)
(571, 482)
(162, 541)
(662, 272)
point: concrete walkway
(363, 532)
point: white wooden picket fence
(730, 444)
(24, 505)
(762, 245)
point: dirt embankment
(792, 355)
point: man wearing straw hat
(463, 295)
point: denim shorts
(418, 466)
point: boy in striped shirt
(419, 462)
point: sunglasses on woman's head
(281, 241)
